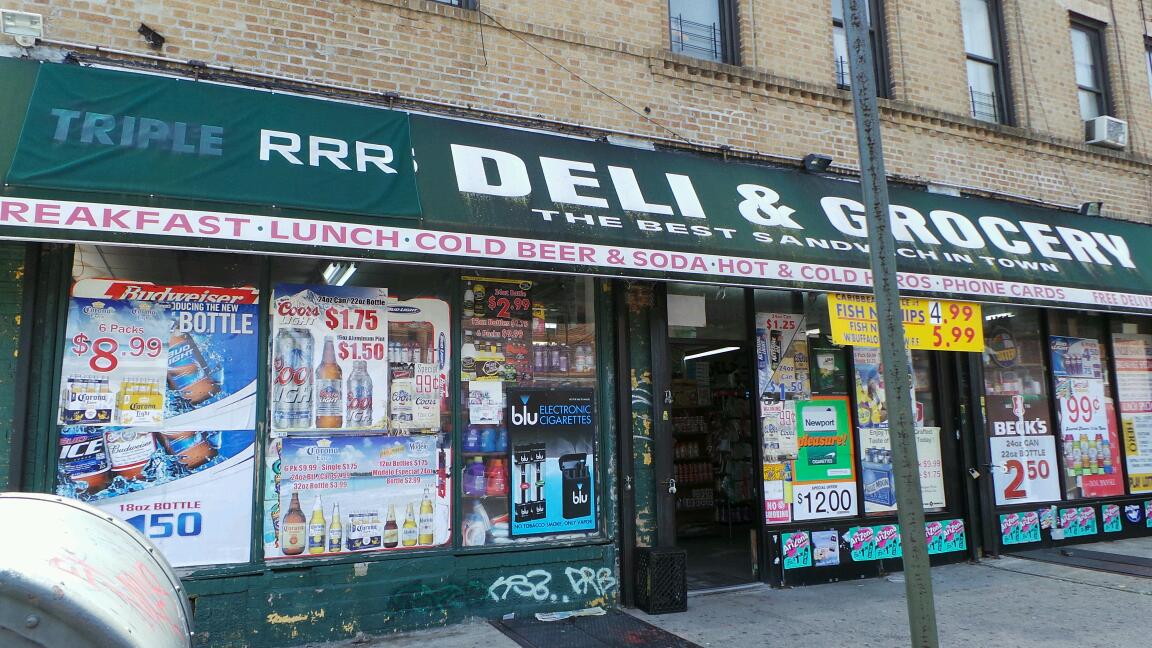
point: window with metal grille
(874, 13)
(703, 28)
(986, 84)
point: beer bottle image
(190, 448)
(427, 520)
(317, 528)
(391, 533)
(408, 532)
(129, 450)
(359, 408)
(294, 530)
(188, 373)
(335, 530)
(329, 388)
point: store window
(528, 389)
(360, 455)
(1021, 435)
(1088, 430)
(157, 413)
(703, 28)
(1132, 346)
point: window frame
(1094, 30)
(470, 5)
(878, 38)
(1148, 61)
(1004, 113)
(728, 46)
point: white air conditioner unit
(1106, 131)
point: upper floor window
(985, 71)
(703, 28)
(1148, 58)
(463, 4)
(873, 13)
(1088, 55)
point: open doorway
(712, 434)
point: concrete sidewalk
(1003, 602)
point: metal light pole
(897, 379)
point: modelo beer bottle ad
(330, 359)
(157, 412)
(551, 436)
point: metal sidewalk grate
(613, 630)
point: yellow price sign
(929, 324)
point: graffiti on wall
(537, 585)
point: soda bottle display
(359, 406)
(294, 529)
(317, 528)
(188, 372)
(329, 385)
(409, 533)
(391, 531)
(427, 520)
(335, 530)
(292, 379)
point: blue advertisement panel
(552, 436)
(157, 412)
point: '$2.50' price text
(106, 351)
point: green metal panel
(11, 305)
(17, 77)
(640, 300)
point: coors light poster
(551, 434)
(157, 412)
(329, 359)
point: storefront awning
(124, 157)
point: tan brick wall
(599, 63)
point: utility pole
(897, 378)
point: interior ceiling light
(338, 274)
(703, 354)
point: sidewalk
(1003, 602)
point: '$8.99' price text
(106, 351)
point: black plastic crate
(661, 580)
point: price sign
(1081, 406)
(362, 350)
(103, 353)
(818, 501)
(932, 325)
(506, 307)
(351, 319)
(1024, 469)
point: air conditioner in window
(1106, 131)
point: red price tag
(351, 319)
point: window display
(527, 370)
(1020, 432)
(1132, 344)
(360, 455)
(157, 407)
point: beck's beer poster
(157, 412)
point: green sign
(824, 440)
(108, 131)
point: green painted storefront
(474, 196)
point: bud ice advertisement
(353, 493)
(157, 410)
(552, 436)
(330, 358)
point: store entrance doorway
(711, 435)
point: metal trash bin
(661, 580)
(73, 576)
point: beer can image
(292, 379)
(83, 460)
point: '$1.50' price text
(361, 350)
(106, 351)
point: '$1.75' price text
(106, 351)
